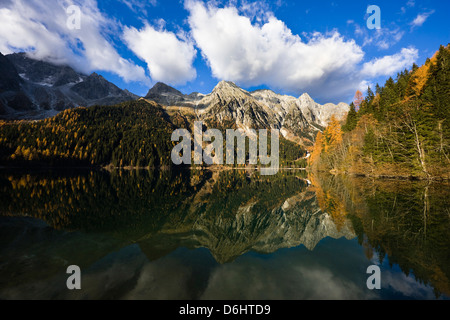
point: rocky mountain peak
(299, 119)
(42, 72)
(9, 78)
(161, 88)
(226, 85)
(166, 95)
(95, 75)
(306, 98)
(227, 90)
(96, 87)
(37, 89)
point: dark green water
(227, 235)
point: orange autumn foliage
(332, 135)
(420, 77)
(327, 141)
(318, 148)
(359, 98)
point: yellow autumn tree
(359, 98)
(332, 136)
(419, 78)
(327, 141)
(317, 150)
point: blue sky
(321, 47)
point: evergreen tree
(437, 88)
(388, 98)
(370, 96)
(377, 89)
(405, 123)
(352, 119)
(402, 83)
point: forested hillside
(132, 134)
(401, 129)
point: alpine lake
(233, 234)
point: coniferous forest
(130, 134)
(133, 134)
(401, 129)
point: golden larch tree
(358, 99)
(332, 135)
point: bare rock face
(229, 102)
(41, 72)
(97, 88)
(11, 94)
(298, 119)
(314, 113)
(9, 77)
(165, 95)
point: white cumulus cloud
(268, 53)
(389, 65)
(169, 57)
(247, 45)
(262, 50)
(40, 28)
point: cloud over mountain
(269, 53)
(40, 28)
(240, 41)
(254, 52)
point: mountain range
(33, 89)
(299, 119)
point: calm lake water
(221, 235)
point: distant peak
(266, 93)
(18, 54)
(161, 87)
(95, 75)
(306, 97)
(226, 86)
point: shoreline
(225, 168)
(387, 176)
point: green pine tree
(352, 119)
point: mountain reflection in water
(221, 234)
